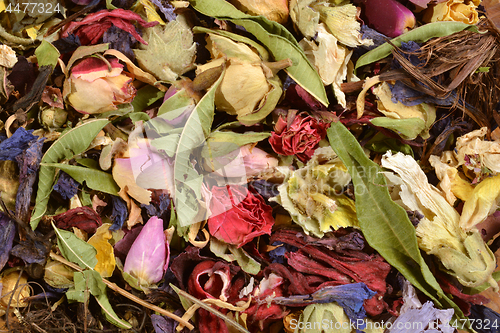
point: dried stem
(125, 293)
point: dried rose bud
(245, 71)
(246, 161)
(147, 259)
(275, 10)
(388, 17)
(96, 86)
(53, 117)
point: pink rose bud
(388, 17)
(147, 259)
(246, 161)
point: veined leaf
(95, 179)
(92, 280)
(71, 143)
(47, 54)
(110, 314)
(384, 223)
(276, 38)
(235, 37)
(187, 181)
(74, 249)
(419, 35)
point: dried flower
(238, 215)
(462, 252)
(93, 26)
(388, 17)
(147, 259)
(103, 80)
(297, 135)
(453, 10)
(246, 161)
(276, 10)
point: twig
(125, 293)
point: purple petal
(7, 234)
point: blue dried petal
(278, 254)
(120, 40)
(485, 319)
(119, 213)
(29, 162)
(7, 234)
(410, 97)
(66, 186)
(164, 203)
(377, 38)
(12, 147)
(31, 252)
(349, 296)
(427, 318)
(166, 8)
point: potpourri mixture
(249, 166)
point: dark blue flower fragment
(278, 254)
(12, 147)
(349, 296)
(66, 186)
(7, 234)
(166, 8)
(120, 40)
(119, 213)
(410, 97)
(485, 319)
(29, 162)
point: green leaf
(88, 162)
(92, 281)
(276, 38)
(71, 143)
(110, 314)
(46, 54)
(74, 249)
(146, 96)
(176, 105)
(419, 35)
(408, 128)
(245, 261)
(187, 181)
(235, 37)
(222, 143)
(170, 51)
(384, 223)
(95, 179)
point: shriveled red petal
(93, 26)
(84, 218)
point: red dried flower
(297, 135)
(238, 215)
(93, 26)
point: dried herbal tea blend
(249, 166)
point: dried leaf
(73, 142)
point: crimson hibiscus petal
(93, 26)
